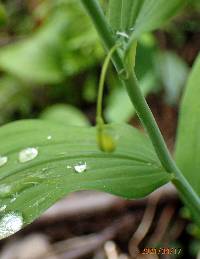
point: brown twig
(144, 226)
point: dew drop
(123, 34)
(14, 197)
(10, 224)
(5, 190)
(3, 160)
(80, 167)
(49, 137)
(27, 154)
(3, 207)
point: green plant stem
(102, 81)
(105, 32)
(99, 117)
(187, 193)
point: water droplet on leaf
(123, 34)
(14, 197)
(80, 167)
(10, 224)
(3, 160)
(3, 207)
(5, 190)
(27, 154)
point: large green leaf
(188, 138)
(114, 13)
(122, 13)
(132, 171)
(153, 14)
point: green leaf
(146, 75)
(3, 15)
(60, 48)
(188, 138)
(173, 72)
(152, 15)
(38, 58)
(132, 171)
(119, 98)
(122, 13)
(114, 13)
(65, 115)
(14, 96)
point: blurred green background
(50, 62)
(50, 55)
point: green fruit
(106, 142)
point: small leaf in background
(68, 160)
(14, 97)
(188, 137)
(65, 115)
(152, 15)
(122, 14)
(60, 48)
(119, 98)
(80, 48)
(114, 13)
(146, 51)
(3, 15)
(90, 88)
(173, 72)
(38, 58)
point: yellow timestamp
(161, 251)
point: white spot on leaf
(27, 154)
(3, 207)
(80, 167)
(5, 190)
(10, 224)
(3, 160)
(123, 34)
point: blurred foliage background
(50, 61)
(50, 54)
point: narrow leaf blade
(188, 137)
(122, 14)
(114, 13)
